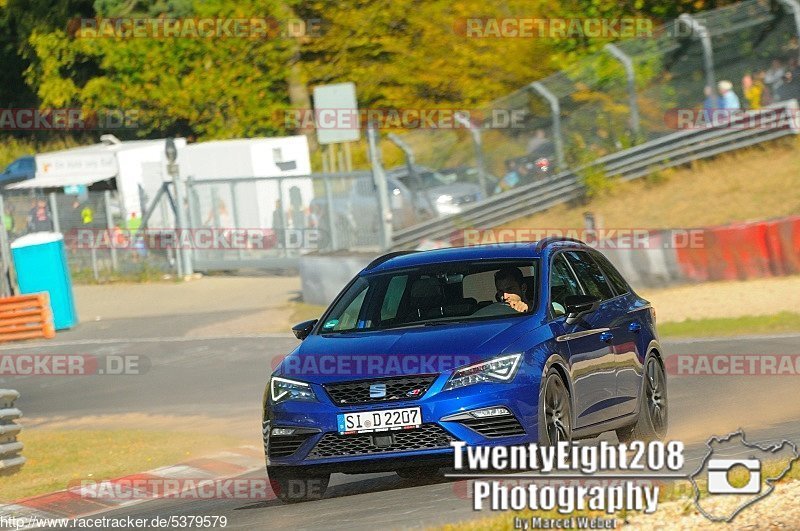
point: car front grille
(372, 391)
(426, 437)
(500, 426)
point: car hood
(401, 351)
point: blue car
(494, 345)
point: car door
(631, 346)
(591, 360)
(613, 317)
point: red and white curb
(207, 475)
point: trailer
(242, 183)
(109, 165)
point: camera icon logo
(720, 472)
(735, 483)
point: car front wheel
(555, 413)
(651, 424)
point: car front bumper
(318, 419)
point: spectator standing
(727, 97)
(774, 76)
(39, 217)
(8, 221)
(278, 224)
(766, 94)
(794, 67)
(510, 179)
(789, 89)
(752, 90)
(540, 146)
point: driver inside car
(511, 289)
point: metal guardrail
(669, 151)
(10, 448)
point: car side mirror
(302, 330)
(579, 305)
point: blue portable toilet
(40, 261)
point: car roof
(501, 251)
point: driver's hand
(515, 301)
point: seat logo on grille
(377, 390)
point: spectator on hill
(752, 90)
(540, 146)
(789, 89)
(727, 97)
(794, 67)
(766, 94)
(774, 76)
(510, 179)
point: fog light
(282, 431)
(490, 412)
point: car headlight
(500, 369)
(283, 389)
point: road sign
(336, 113)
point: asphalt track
(224, 377)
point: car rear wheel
(555, 412)
(651, 424)
(292, 487)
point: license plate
(383, 420)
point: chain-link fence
(230, 224)
(627, 94)
(265, 221)
(97, 232)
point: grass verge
(58, 457)
(782, 322)
(737, 181)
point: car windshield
(433, 294)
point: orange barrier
(26, 317)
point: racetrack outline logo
(760, 494)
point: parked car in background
(20, 170)
(444, 194)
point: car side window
(349, 318)
(394, 294)
(614, 277)
(562, 283)
(589, 273)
